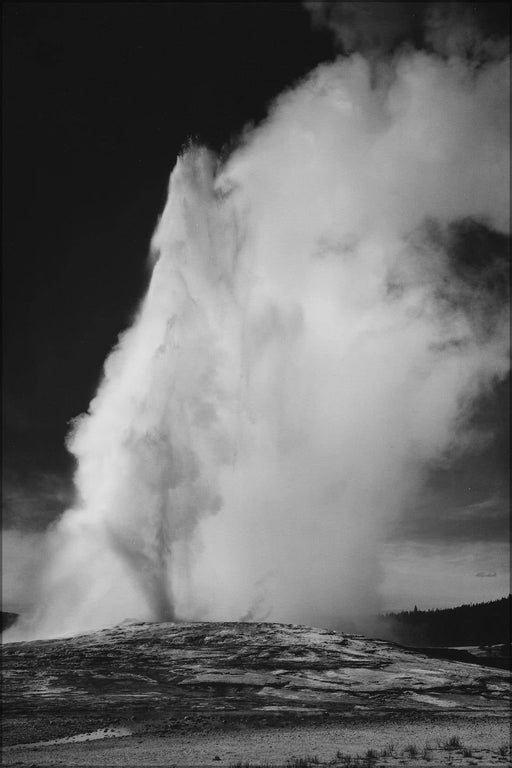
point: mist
(306, 352)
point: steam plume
(305, 352)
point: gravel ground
(277, 746)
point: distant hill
(476, 624)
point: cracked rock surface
(153, 678)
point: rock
(269, 672)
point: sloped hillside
(157, 678)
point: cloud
(433, 577)
(374, 28)
(440, 518)
(467, 30)
(32, 501)
(23, 557)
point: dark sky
(98, 100)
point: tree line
(479, 624)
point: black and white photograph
(256, 384)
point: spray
(304, 353)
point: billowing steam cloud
(305, 352)
(472, 30)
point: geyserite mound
(161, 676)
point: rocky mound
(156, 677)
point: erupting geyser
(304, 352)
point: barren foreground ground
(219, 694)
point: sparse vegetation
(240, 764)
(348, 761)
(388, 751)
(411, 750)
(452, 743)
(368, 760)
(295, 762)
(371, 758)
